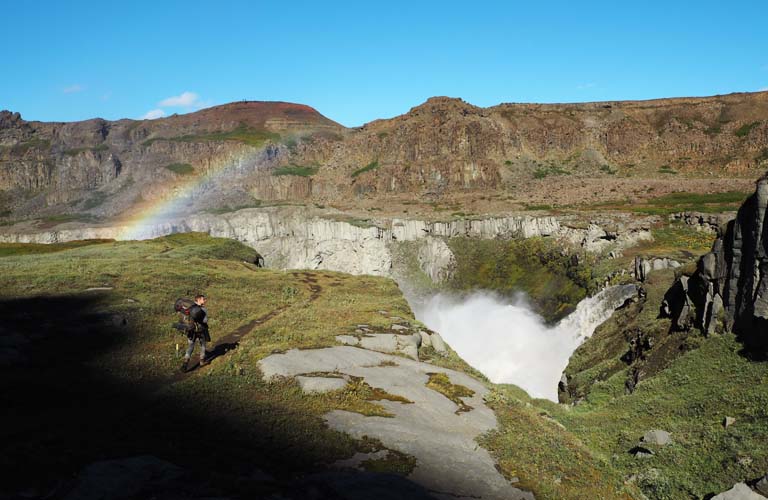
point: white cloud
(155, 113)
(185, 100)
(763, 89)
(584, 86)
(73, 88)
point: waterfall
(510, 343)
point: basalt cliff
(250, 153)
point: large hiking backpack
(183, 306)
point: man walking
(198, 331)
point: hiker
(198, 330)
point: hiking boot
(185, 366)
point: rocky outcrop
(644, 266)
(730, 284)
(525, 152)
(438, 432)
(436, 259)
(712, 223)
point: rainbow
(147, 222)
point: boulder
(740, 491)
(762, 485)
(657, 437)
(728, 421)
(425, 338)
(438, 344)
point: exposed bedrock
(730, 285)
(295, 238)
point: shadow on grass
(60, 413)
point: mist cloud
(510, 343)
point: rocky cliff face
(730, 285)
(516, 152)
(298, 238)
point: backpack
(183, 306)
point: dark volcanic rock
(731, 282)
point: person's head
(200, 300)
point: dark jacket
(199, 318)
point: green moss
(745, 129)
(545, 171)
(553, 282)
(180, 168)
(441, 383)
(666, 169)
(296, 170)
(395, 462)
(371, 166)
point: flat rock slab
(320, 385)
(407, 345)
(450, 463)
(740, 491)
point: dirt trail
(231, 340)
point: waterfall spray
(510, 343)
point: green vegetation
(608, 170)
(763, 156)
(243, 134)
(395, 461)
(693, 202)
(371, 166)
(297, 170)
(441, 383)
(180, 168)
(11, 249)
(545, 171)
(745, 129)
(26, 146)
(553, 282)
(228, 209)
(538, 207)
(54, 220)
(689, 398)
(666, 169)
(96, 199)
(543, 456)
(679, 202)
(133, 369)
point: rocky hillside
(514, 154)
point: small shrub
(180, 168)
(296, 170)
(666, 169)
(371, 166)
(745, 129)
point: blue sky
(358, 61)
